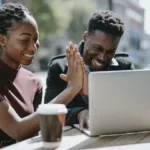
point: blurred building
(146, 47)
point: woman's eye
(25, 41)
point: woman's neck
(10, 63)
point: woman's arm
(14, 126)
(22, 128)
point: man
(98, 50)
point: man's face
(99, 49)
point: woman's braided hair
(9, 13)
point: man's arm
(72, 115)
(54, 85)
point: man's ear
(2, 40)
(85, 35)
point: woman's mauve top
(21, 89)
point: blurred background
(61, 21)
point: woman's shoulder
(30, 75)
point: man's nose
(102, 57)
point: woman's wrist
(66, 96)
(74, 90)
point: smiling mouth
(96, 64)
(29, 56)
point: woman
(20, 90)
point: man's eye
(97, 49)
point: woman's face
(21, 43)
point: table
(73, 139)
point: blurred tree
(54, 17)
(44, 16)
(80, 15)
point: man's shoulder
(124, 60)
(123, 57)
(59, 59)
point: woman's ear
(85, 35)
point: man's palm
(84, 90)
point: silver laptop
(119, 102)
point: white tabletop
(74, 139)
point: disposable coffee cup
(52, 121)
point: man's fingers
(82, 63)
(83, 117)
(83, 67)
(75, 48)
(76, 61)
(63, 77)
(87, 123)
(81, 123)
(68, 54)
(71, 48)
(84, 123)
(72, 53)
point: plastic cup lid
(51, 109)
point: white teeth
(27, 55)
(97, 63)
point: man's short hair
(105, 21)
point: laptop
(119, 102)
